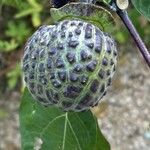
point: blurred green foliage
(14, 75)
(19, 19)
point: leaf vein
(65, 130)
(74, 134)
(51, 123)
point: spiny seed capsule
(71, 70)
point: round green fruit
(69, 65)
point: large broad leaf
(97, 15)
(143, 6)
(49, 128)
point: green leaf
(143, 6)
(51, 128)
(8, 46)
(25, 13)
(13, 3)
(97, 15)
(36, 20)
(17, 30)
(17, 4)
(33, 9)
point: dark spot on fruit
(80, 24)
(88, 31)
(78, 68)
(59, 63)
(86, 100)
(26, 79)
(26, 57)
(52, 96)
(25, 67)
(105, 61)
(31, 86)
(78, 31)
(102, 88)
(72, 91)
(39, 89)
(62, 75)
(36, 40)
(109, 82)
(52, 51)
(37, 52)
(56, 83)
(73, 77)
(73, 24)
(111, 62)
(90, 45)
(60, 46)
(34, 56)
(73, 43)
(33, 65)
(98, 49)
(108, 72)
(43, 80)
(94, 86)
(63, 27)
(64, 23)
(96, 104)
(41, 67)
(70, 34)
(52, 76)
(71, 57)
(40, 76)
(109, 45)
(114, 68)
(91, 66)
(41, 28)
(83, 79)
(55, 96)
(41, 99)
(53, 36)
(48, 94)
(31, 76)
(31, 47)
(101, 74)
(98, 41)
(115, 53)
(49, 29)
(62, 35)
(107, 35)
(85, 55)
(49, 63)
(105, 93)
(79, 108)
(66, 104)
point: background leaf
(51, 128)
(14, 3)
(143, 6)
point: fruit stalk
(140, 44)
